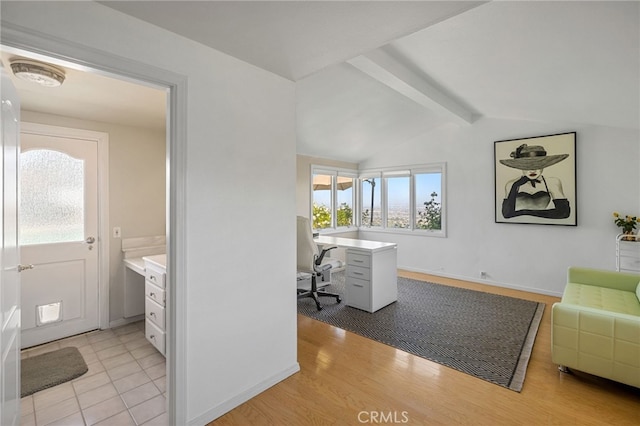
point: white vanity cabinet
(155, 301)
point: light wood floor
(346, 379)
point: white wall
(240, 319)
(137, 189)
(531, 257)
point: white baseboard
(484, 281)
(125, 321)
(243, 397)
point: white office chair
(312, 261)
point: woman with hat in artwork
(532, 194)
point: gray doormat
(50, 369)
(485, 335)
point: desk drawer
(155, 275)
(154, 335)
(154, 293)
(154, 312)
(358, 260)
(358, 293)
(358, 272)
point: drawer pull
(358, 285)
(152, 294)
(358, 261)
(152, 336)
(152, 277)
(358, 273)
(153, 314)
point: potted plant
(628, 225)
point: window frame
(335, 172)
(411, 172)
(383, 174)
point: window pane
(398, 202)
(344, 200)
(371, 202)
(428, 201)
(322, 201)
(51, 197)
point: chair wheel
(338, 300)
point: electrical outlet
(117, 233)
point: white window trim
(382, 173)
(334, 172)
(407, 171)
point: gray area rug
(50, 369)
(485, 335)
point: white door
(9, 258)
(58, 219)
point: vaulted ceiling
(370, 74)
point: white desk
(371, 280)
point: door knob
(24, 267)
(90, 240)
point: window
(371, 215)
(344, 201)
(428, 201)
(51, 197)
(412, 199)
(333, 198)
(407, 200)
(322, 201)
(398, 200)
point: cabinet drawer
(358, 293)
(629, 263)
(155, 275)
(154, 312)
(358, 272)
(359, 260)
(154, 335)
(154, 293)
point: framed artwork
(535, 180)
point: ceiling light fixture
(37, 72)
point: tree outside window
(322, 201)
(428, 201)
(332, 200)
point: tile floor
(125, 384)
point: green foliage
(626, 222)
(431, 216)
(322, 216)
(345, 215)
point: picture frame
(535, 180)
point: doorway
(105, 313)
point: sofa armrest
(597, 342)
(603, 278)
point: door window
(52, 197)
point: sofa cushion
(608, 299)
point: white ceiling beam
(390, 71)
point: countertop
(159, 260)
(136, 264)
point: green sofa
(596, 326)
